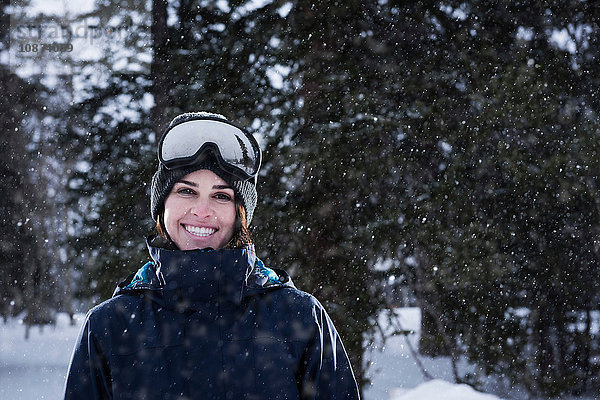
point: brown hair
(241, 233)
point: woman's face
(200, 211)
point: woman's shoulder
(116, 308)
(298, 315)
(296, 296)
(293, 302)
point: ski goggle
(188, 143)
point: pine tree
(108, 140)
(334, 166)
(511, 217)
(28, 287)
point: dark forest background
(439, 154)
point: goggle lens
(185, 143)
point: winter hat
(164, 178)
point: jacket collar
(197, 278)
(194, 279)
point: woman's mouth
(199, 231)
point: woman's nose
(201, 208)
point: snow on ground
(395, 375)
(36, 368)
(438, 389)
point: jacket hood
(190, 277)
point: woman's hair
(241, 233)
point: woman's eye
(223, 196)
(185, 191)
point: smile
(199, 231)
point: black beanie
(164, 179)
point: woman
(206, 319)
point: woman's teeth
(194, 230)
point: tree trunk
(158, 71)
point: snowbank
(393, 368)
(438, 389)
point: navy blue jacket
(209, 325)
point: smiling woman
(205, 318)
(200, 211)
